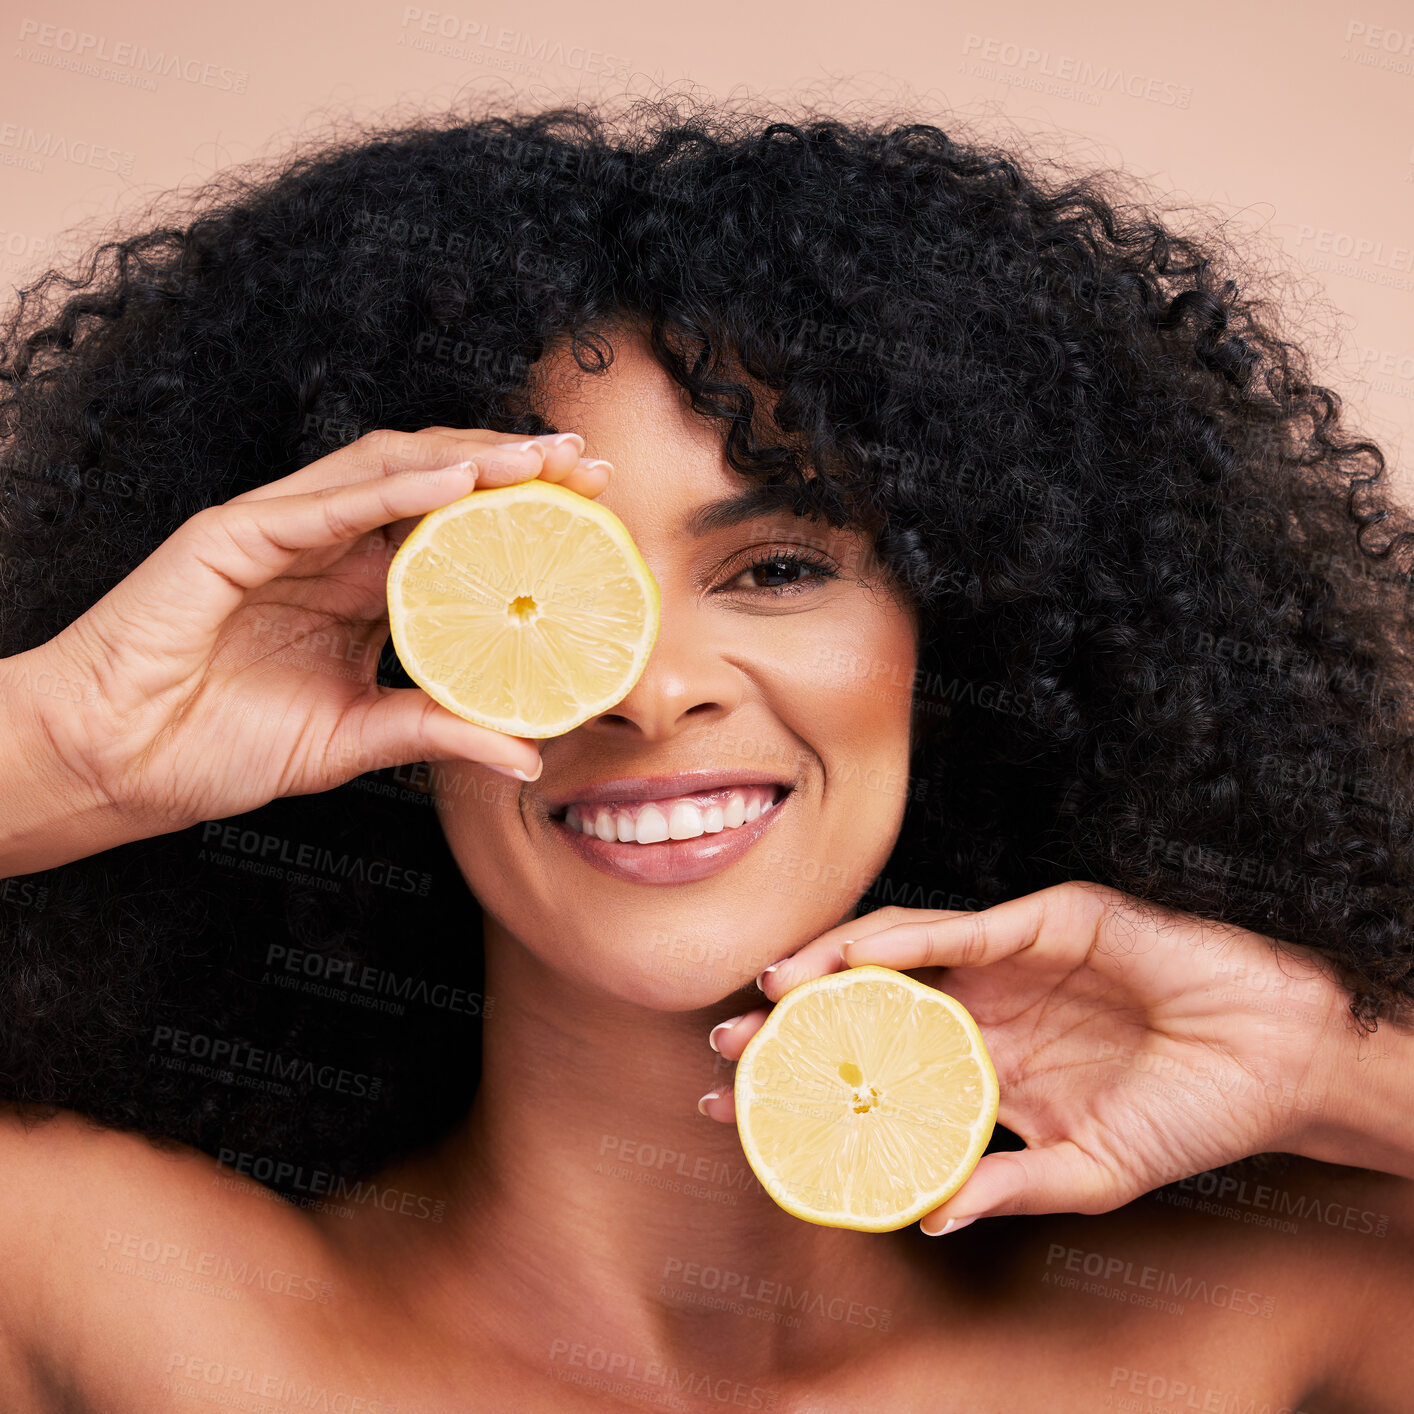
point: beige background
(1295, 122)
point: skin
(548, 1249)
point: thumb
(405, 724)
(1059, 1178)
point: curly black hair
(1163, 591)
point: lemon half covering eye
(524, 608)
(865, 1100)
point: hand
(1133, 1045)
(238, 662)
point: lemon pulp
(865, 1100)
(527, 608)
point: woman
(1013, 580)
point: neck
(590, 1205)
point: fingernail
(598, 462)
(952, 1225)
(721, 1026)
(531, 444)
(702, 1103)
(774, 967)
(462, 466)
(516, 771)
(560, 438)
(848, 943)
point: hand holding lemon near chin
(1135, 1045)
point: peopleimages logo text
(304, 855)
(97, 48)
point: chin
(689, 991)
(665, 978)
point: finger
(817, 958)
(1055, 928)
(562, 455)
(370, 565)
(729, 1038)
(386, 453)
(588, 478)
(565, 462)
(403, 725)
(719, 1104)
(1059, 1178)
(196, 578)
(253, 542)
(823, 955)
(489, 435)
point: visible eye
(796, 570)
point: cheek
(858, 683)
(480, 815)
(835, 704)
(850, 701)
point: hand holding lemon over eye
(258, 622)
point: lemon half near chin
(865, 1100)
(526, 609)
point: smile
(674, 840)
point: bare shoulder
(1276, 1283)
(67, 1176)
(118, 1254)
(1359, 1225)
(1318, 1257)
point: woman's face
(802, 697)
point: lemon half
(524, 608)
(865, 1100)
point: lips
(624, 790)
(678, 818)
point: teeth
(684, 820)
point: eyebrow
(719, 515)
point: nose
(689, 680)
